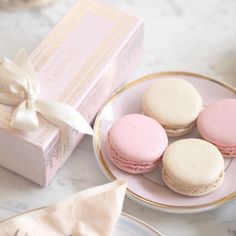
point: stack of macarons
(138, 143)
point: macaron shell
(217, 123)
(227, 151)
(129, 166)
(193, 162)
(191, 190)
(133, 169)
(174, 103)
(115, 155)
(138, 137)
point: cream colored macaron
(174, 103)
(192, 167)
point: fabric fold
(92, 212)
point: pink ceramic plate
(149, 189)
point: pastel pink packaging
(88, 54)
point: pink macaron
(135, 143)
(217, 124)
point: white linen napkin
(92, 212)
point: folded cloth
(92, 212)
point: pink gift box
(88, 54)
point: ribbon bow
(19, 87)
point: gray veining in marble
(197, 36)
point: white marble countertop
(196, 36)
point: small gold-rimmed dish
(149, 189)
(127, 225)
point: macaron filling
(180, 130)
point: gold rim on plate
(142, 223)
(108, 172)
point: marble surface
(197, 36)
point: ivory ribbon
(19, 87)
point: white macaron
(192, 167)
(174, 103)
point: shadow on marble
(224, 67)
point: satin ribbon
(19, 87)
